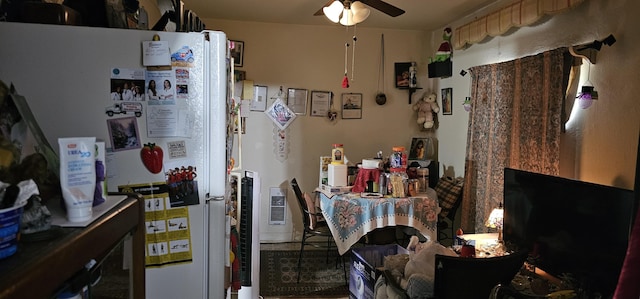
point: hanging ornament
(280, 144)
(332, 114)
(467, 104)
(345, 80)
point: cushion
(314, 211)
(448, 190)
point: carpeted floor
(278, 274)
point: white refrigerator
(67, 75)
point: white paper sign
(155, 53)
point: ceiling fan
(377, 4)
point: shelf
(412, 90)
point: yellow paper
(247, 90)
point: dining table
(350, 216)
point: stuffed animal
(426, 108)
(444, 51)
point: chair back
(462, 277)
(306, 217)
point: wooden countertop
(39, 268)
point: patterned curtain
(515, 121)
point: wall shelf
(411, 90)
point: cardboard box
(337, 175)
(366, 265)
(337, 189)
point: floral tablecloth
(351, 216)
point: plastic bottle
(337, 154)
(398, 158)
(413, 75)
(399, 183)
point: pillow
(448, 190)
(314, 214)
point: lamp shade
(495, 218)
(333, 11)
(360, 12)
(347, 18)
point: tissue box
(337, 175)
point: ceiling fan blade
(384, 7)
(320, 12)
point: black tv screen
(569, 227)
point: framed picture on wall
(351, 105)
(237, 52)
(402, 74)
(447, 96)
(297, 100)
(320, 103)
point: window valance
(519, 14)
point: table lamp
(495, 220)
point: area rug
(318, 278)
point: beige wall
(312, 57)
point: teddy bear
(426, 108)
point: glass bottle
(423, 180)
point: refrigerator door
(64, 73)
(216, 140)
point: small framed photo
(421, 149)
(320, 103)
(402, 74)
(447, 96)
(237, 52)
(351, 105)
(297, 100)
(259, 102)
(124, 133)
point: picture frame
(320, 103)
(124, 134)
(422, 148)
(237, 52)
(447, 101)
(280, 114)
(402, 74)
(259, 101)
(297, 100)
(351, 105)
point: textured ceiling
(419, 14)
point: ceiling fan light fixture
(333, 11)
(347, 18)
(360, 12)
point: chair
(314, 226)
(460, 277)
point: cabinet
(38, 269)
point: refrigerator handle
(215, 198)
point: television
(569, 227)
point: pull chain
(353, 54)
